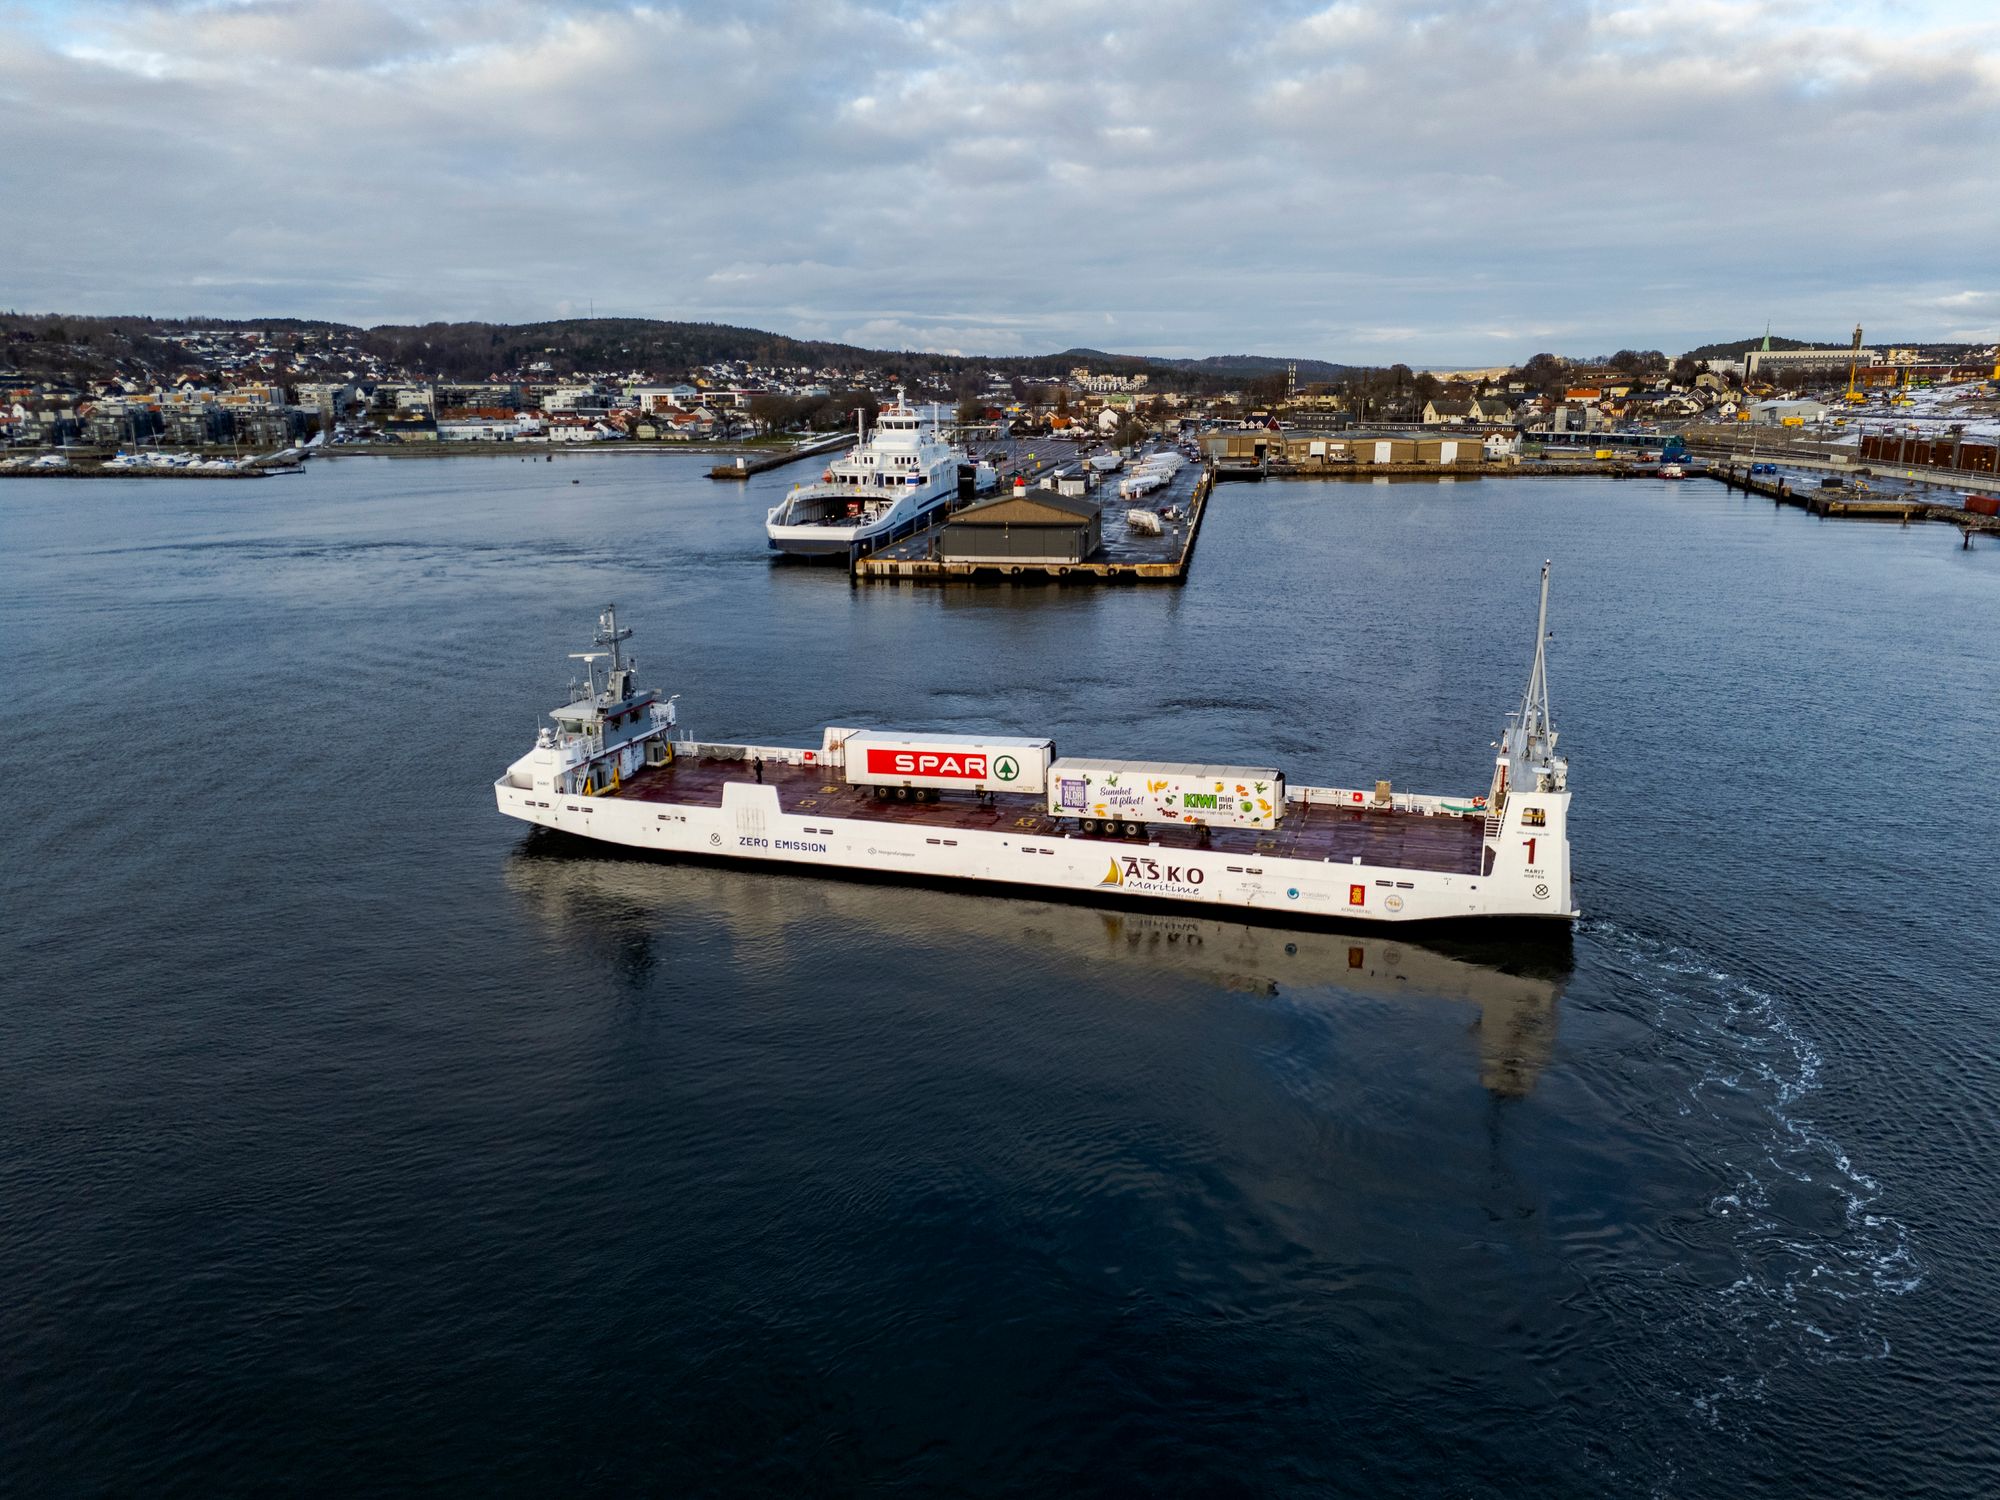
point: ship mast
(1528, 759)
(608, 633)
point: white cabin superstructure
(886, 486)
(607, 732)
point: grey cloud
(1363, 180)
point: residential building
(1441, 412)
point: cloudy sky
(1434, 182)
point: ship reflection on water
(629, 905)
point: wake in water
(1815, 1257)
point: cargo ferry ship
(615, 766)
(897, 480)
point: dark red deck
(1408, 841)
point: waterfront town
(78, 392)
(1902, 432)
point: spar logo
(1006, 768)
(962, 765)
(1137, 873)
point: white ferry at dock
(897, 480)
(616, 768)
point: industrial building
(1308, 452)
(1028, 526)
(1776, 364)
(1788, 413)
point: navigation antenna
(577, 692)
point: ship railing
(1363, 799)
(587, 749)
(771, 755)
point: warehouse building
(1038, 526)
(1307, 452)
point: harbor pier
(1123, 555)
(1812, 494)
(744, 467)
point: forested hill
(1222, 366)
(44, 344)
(462, 349)
(1740, 347)
(471, 350)
(47, 345)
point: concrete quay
(1807, 492)
(1736, 447)
(98, 471)
(1489, 469)
(744, 467)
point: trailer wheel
(902, 794)
(1089, 825)
(1131, 830)
(880, 792)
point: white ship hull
(1526, 874)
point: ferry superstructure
(615, 767)
(883, 488)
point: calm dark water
(352, 1138)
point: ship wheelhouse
(609, 729)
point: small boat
(1673, 471)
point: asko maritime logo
(1148, 874)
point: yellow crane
(1854, 397)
